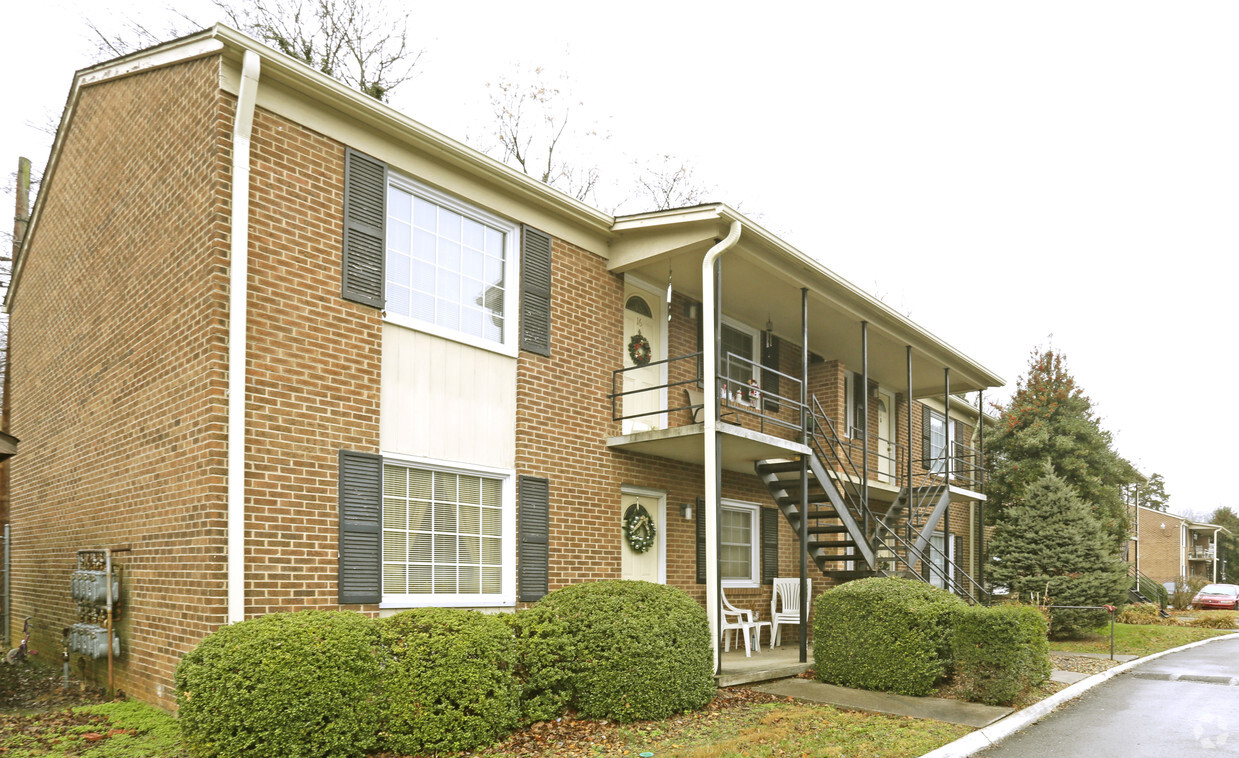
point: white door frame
(659, 308)
(660, 523)
(886, 438)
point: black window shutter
(535, 291)
(769, 544)
(361, 517)
(701, 540)
(925, 462)
(533, 526)
(769, 379)
(365, 238)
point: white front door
(649, 565)
(886, 435)
(645, 322)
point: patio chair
(788, 591)
(697, 405)
(743, 620)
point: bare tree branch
(669, 183)
(363, 43)
(534, 129)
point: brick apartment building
(1165, 547)
(278, 346)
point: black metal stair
(846, 540)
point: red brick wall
(118, 372)
(128, 318)
(563, 421)
(314, 362)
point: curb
(994, 733)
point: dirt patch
(31, 686)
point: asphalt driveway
(1181, 705)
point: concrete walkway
(942, 709)
(784, 662)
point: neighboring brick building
(386, 374)
(1166, 547)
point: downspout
(1215, 552)
(710, 389)
(238, 318)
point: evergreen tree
(1153, 493)
(1228, 544)
(1050, 546)
(1050, 422)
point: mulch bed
(1081, 664)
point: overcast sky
(1010, 175)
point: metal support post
(804, 476)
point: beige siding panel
(446, 400)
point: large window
(939, 434)
(449, 266)
(738, 544)
(446, 537)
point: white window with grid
(449, 267)
(447, 538)
(738, 559)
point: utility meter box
(91, 640)
(91, 587)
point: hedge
(999, 652)
(629, 651)
(450, 684)
(288, 684)
(884, 634)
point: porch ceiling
(741, 448)
(761, 282)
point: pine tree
(1228, 544)
(1050, 546)
(1050, 422)
(1153, 493)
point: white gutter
(710, 389)
(238, 318)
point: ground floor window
(738, 544)
(447, 537)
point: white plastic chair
(742, 620)
(787, 590)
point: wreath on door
(639, 349)
(639, 528)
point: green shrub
(1140, 613)
(543, 648)
(884, 634)
(288, 684)
(450, 684)
(635, 650)
(1000, 652)
(1185, 588)
(1215, 620)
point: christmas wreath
(638, 528)
(639, 349)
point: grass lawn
(754, 731)
(1133, 639)
(750, 728)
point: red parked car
(1217, 596)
